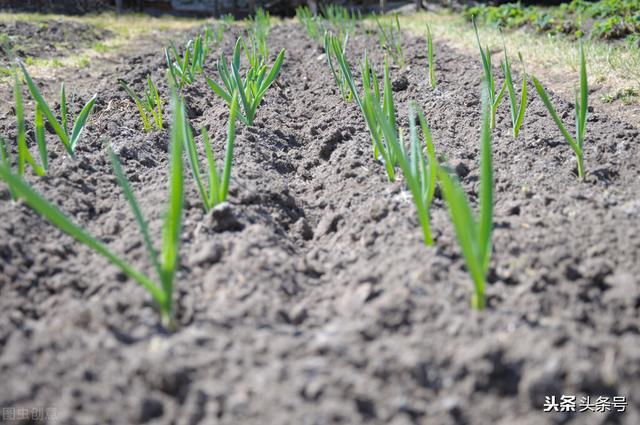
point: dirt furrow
(310, 298)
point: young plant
(261, 22)
(218, 182)
(391, 39)
(345, 70)
(166, 261)
(340, 19)
(251, 88)
(5, 156)
(253, 55)
(69, 140)
(259, 32)
(214, 35)
(7, 49)
(183, 69)
(370, 83)
(420, 174)
(150, 107)
(494, 100)
(430, 53)
(517, 108)
(576, 144)
(332, 49)
(384, 147)
(5, 161)
(474, 234)
(309, 22)
(336, 15)
(24, 156)
(371, 94)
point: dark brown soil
(72, 7)
(46, 39)
(310, 298)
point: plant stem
(478, 299)
(493, 118)
(391, 174)
(423, 217)
(580, 166)
(167, 320)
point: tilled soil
(46, 39)
(310, 298)
(71, 7)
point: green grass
(605, 19)
(627, 96)
(614, 67)
(125, 30)
(474, 232)
(166, 261)
(101, 47)
(581, 105)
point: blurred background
(218, 7)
